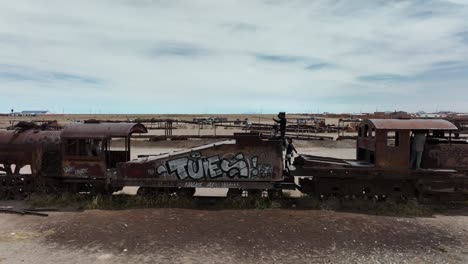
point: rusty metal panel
(21, 148)
(412, 124)
(366, 143)
(392, 157)
(248, 158)
(33, 136)
(446, 156)
(84, 168)
(102, 130)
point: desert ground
(232, 236)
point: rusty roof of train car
(30, 136)
(412, 124)
(102, 130)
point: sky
(233, 56)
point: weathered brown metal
(29, 137)
(228, 164)
(22, 148)
(102, 130)
(446, 156)
(411, 124)
(382, 166)
(89, 165)
(247, 162)
(386, 143)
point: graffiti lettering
(197, 167)
(193, 185)
(236, 167)
(222, 185)
(214, 171)
(179, 166)
(264, 170)
(211, 185)
(77, 172)
(162, 170)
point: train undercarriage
(344, 178)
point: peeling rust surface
(29, 137)
(247, 159)
(412, 124)
(102, 130)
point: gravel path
(231, 236)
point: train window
(366, 130)
(71, 147)
(438, 133)
(393, 139)
(84, 147)
(96, 147)
(373, 133)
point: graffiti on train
(75, 171)
(198, 167)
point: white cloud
(232, 55)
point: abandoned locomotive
(96, 157)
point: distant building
(30, 113)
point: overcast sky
(233, 56)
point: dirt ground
(231, 236)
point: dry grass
(120, 202)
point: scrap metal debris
(32, 211)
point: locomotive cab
(90, 149)
(386, 143)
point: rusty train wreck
(95, 157)
(383, 166)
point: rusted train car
(243, 164)
(96, 157)
(382, 166)
(77, 158)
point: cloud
(382, 77)
(19, 74)
(241, 26)
(462, 36)
(318, 66)
(177, 49)
(202, 56)
(279, 58)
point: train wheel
(275, 194)
(185, 192)
(235, 193)
(255, 193)
(15, 187)
(258, 193)
(148, 191)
